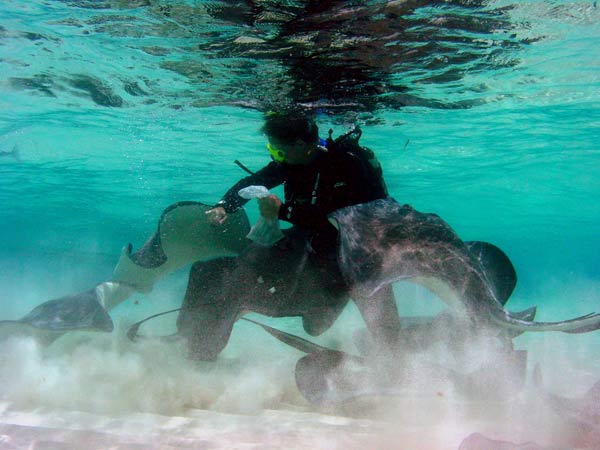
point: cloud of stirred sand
(107, 374)
(441, 399)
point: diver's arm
(269, 176)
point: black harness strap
(243, 167)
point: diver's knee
(315, 325)
(202, 354)
(205, 347)
(314, 329)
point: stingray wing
(497, 267)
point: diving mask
(276, 154)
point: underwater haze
(486, 113)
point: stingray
(382, 242)
(336, 379)
(51, 319)
(418, 333)
(184, 235)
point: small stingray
(49, 320)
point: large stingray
(51, 319)
(382, 242)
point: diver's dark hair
(289, 125)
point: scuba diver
(319, 177)
(297, 276)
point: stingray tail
(292, 340)
(526, 315)
(582, 324)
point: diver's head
(293, 136)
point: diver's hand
(217, 216)
(269, 207)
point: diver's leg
(380, 314)
(331, 291)
(332, 295)
(208, 312)
(318, 320)
(207, 329)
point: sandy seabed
(93, 391)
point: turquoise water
(118, 109)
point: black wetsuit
(344, 175)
